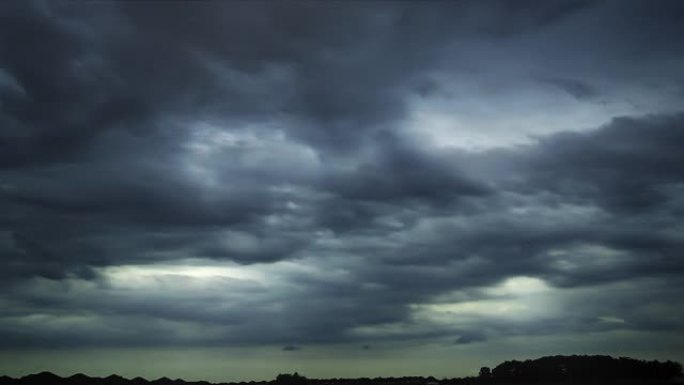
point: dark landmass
(562, 370)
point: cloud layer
(304, 174)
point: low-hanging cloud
(246, 174)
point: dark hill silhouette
(138, 381)
(78, 379)
(560, 370)
(115, 380)
(40, 379)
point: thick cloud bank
(303, 174)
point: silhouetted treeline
(581, 368)
(573, 370)
(47, 378)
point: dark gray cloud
(575, 88)
(261, 174)
(291, 348)
(629, 165)
(399, 171)
(470, 338)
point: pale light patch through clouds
(516, 299)
(132, 276)
(512, 115)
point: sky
(232, 190)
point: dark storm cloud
(629, 165)
(470, 338)
(399, 171)
(100, 55)
(136, 136)
(65, 94)
(481, 247)
(291, 348)
(118, 66)
(281, 61)
(575, 88)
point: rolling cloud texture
(187, 174)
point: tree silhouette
(291, 379)
(558, 368)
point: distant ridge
(562, 370)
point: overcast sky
(231, 190)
